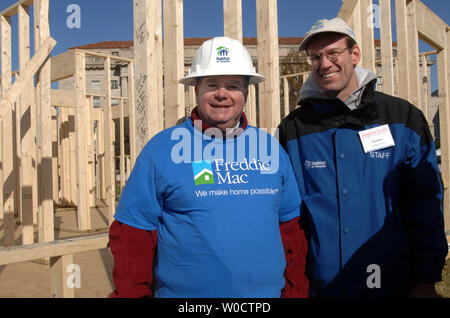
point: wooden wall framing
(87, 159)
(25, 118)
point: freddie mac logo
(222, 55)
(315, 164)
(225, 172)
(203, 173)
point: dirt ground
(443, 288)
(32, 279)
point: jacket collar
(334, 109)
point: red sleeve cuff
(295, 249)
(134, 251)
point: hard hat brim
(191, 79)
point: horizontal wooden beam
(428, 53)
(14, 8)
(294, 74)
(66, 98)
(24, 253)
(63, 66)
(112, 57)
(430, 27)
(62, 98)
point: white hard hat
(222, 56)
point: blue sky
(202, 18)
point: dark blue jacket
(374, 220)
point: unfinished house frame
(87, 135)
(58, 147)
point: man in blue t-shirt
(211, 208)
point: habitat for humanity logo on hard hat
(222, 55)
(318, 25)
(203, 173)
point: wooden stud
(122, 146)
(424, 80)
(131, 111)
(443, 59)
(110, 173)
(269, 90)
(286, 96)
(446, 104)
(42, 34)
(26, 132)
(90, 152)
(7, 126)
(367, 36)
(192, 100)
(158, 67)
(73, 157)
(101, 155)
(232, 13)
(250, 106)
(402, 49)
(59, 287)
(173, 61)
(147, 110)
(62, 156)
(413, 55)
(387, 61)
(81, 146)
(356, 25)
(431, 110)
(55, 155)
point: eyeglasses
(332, 55)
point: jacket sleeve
(422, 201)
(295, 248)
(133, 251)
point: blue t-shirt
(216, 204)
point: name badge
(376, 138)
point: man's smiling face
(221, 100)
(337, 79)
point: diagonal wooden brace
(26, 76)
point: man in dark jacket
(367, 171)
